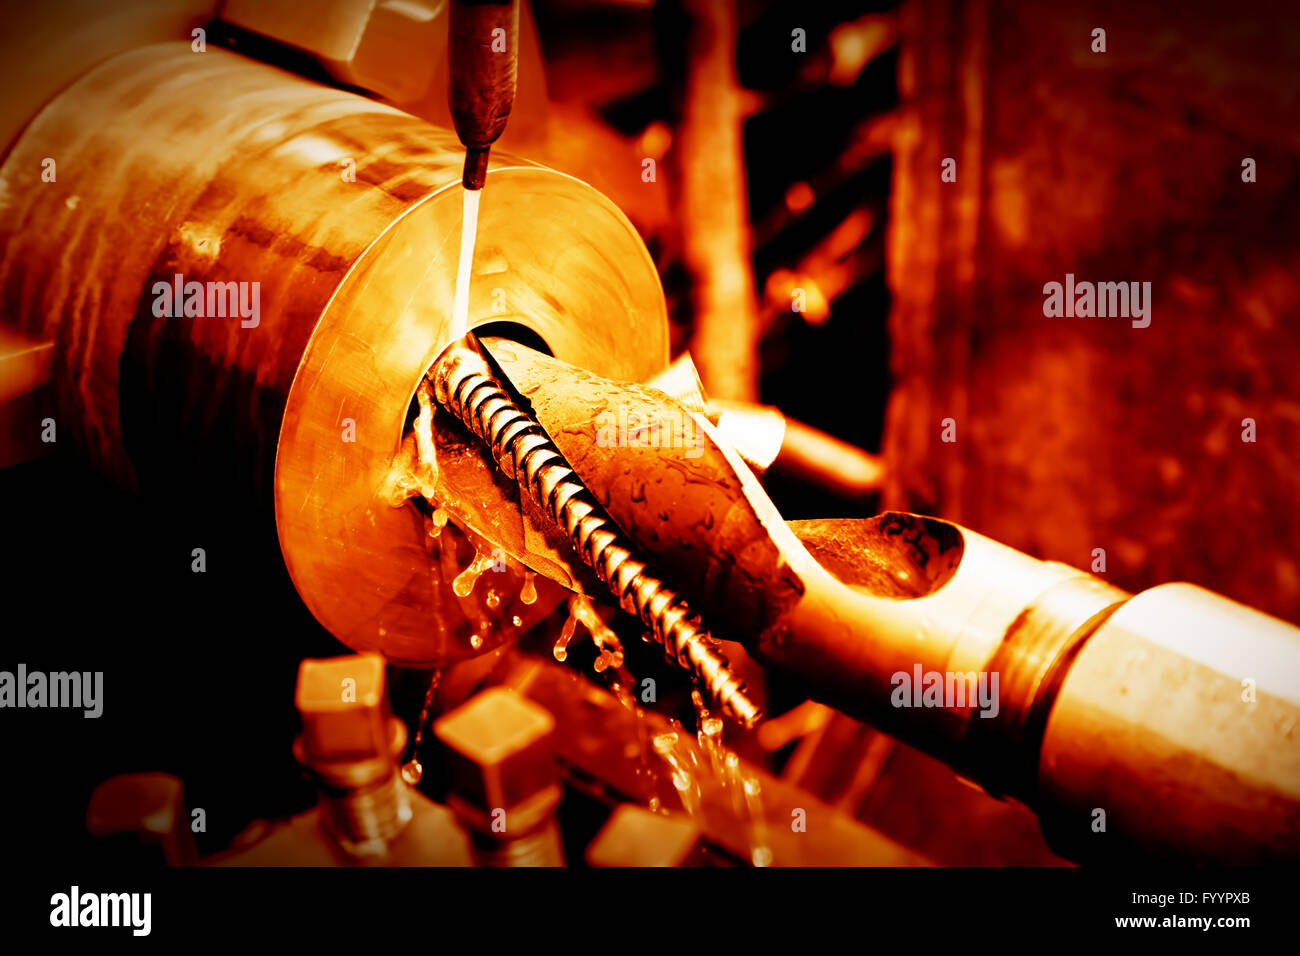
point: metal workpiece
(1175, 733)
(1161, 724)
(1069, 686)
(465, 384)
(338, 217)
(667, 481)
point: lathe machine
(572, 625)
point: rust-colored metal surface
(1074, 434)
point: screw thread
(364, 819)
(465, 386)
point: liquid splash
(708, 733)
(413, 770)
(401, 486)
(602, 635)
(711, 767)
(583, 611)
(642, 738)
(464, 583)
(683, 767)
(561, 648)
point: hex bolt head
(501, 758)
(349, 738)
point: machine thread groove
(465, 386)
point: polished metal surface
(1179, 721)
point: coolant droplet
(561, 648)
(664, 743)
(602, 635)
(465, 581)
(528, 593)
(712, 729)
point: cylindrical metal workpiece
(1176, 733)
(311, 236)
(1161, 726)
(898, 602)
